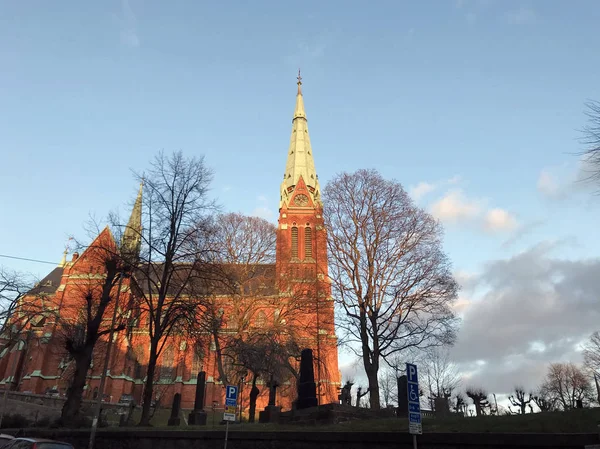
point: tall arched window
(295, 242)
(197, 360)
(167, 369)
(307, 242)
(261, 320)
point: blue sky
(476, 102)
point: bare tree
(441, 375)
(267, 354)
(480, 400)
(388, 385)
(83, 319)
(460, 405)
(19, 306)
(175, 271)
(591, 140)
(245, 247)
(389, 274)
(519, 400)
(566, 384)
(591, 353)
(360, 394)
(544, 400)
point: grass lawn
(575, 421)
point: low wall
(184, 439)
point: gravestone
(174, 420)
(197, 417)
(402, 396)
(441, 407)
(307, 388)
(271, 411)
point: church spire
(131, 240)
(300, 162)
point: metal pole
(7, 385)
(414, 441)
(226, 434)
(105, 369)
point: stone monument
(307, 388)
(402, 396)
(271, 411)
(345, 396)
(197, 417)
(175, 420)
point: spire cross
(299, 82)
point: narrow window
(307, 243)
(295, 242)
(261, 320)
(167, 369)
(197, 361)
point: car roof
(39, 440)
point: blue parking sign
(414, 401)
(231, 393)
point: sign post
(414, 403)
(231, 396)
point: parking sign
(414, 403)
(231, 395)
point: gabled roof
(49, 283)
(213, 279)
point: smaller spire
(299, 111)
(63, 261)
(132, 236)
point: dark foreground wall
(188, 439)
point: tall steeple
(300, 162)
(131, 241)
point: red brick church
(38, 362)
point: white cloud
(263, 210)
(498, 220)
(547, 184)
(420, 190)
(423, 188)
(455, 206)
(566, 180)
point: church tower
(302, 252)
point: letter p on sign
(231, 392)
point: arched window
(166, 369)
(261, 319)
(197, 360)
(295, 242)
(307, 242)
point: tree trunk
(373, 389)
(149, 387)
(72, 406)
(477, 408)
(219, 357)
(254, 392)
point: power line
(28, 260)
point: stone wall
(167, 439)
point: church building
(37, 362)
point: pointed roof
(131, 240)
(300, 162)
